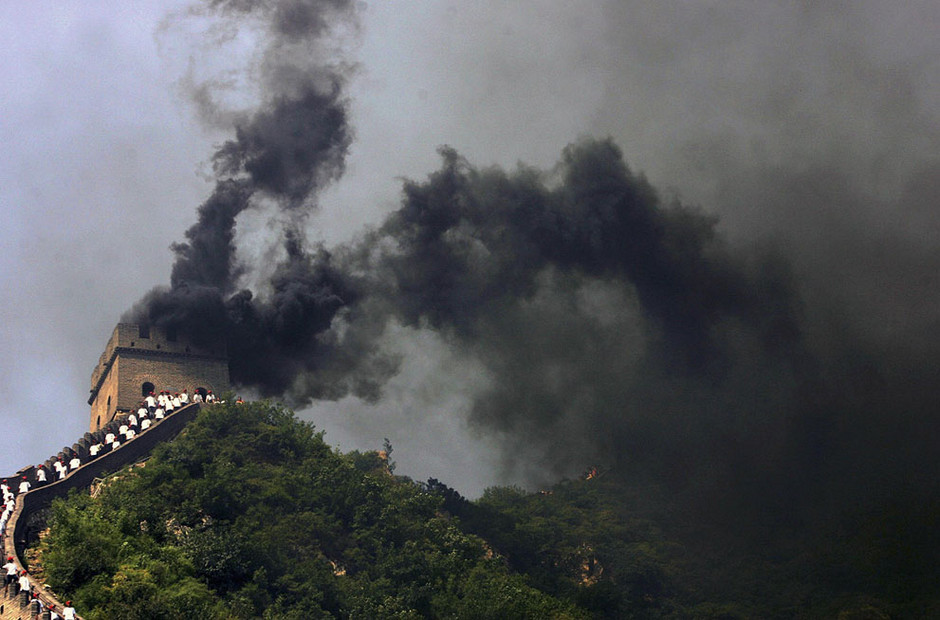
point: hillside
(249, 513)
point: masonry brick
(139, 358)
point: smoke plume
(282, 153)
(615, 326)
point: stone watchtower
(140, 359)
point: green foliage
(620, 549)
(581, 541)
(81, 544)
(249, 514)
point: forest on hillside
(249, 513)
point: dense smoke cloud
(470, 239)
(618, 328)
(614, 326)
(282, 153)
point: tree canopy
(248, 514)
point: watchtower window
(144, 330)
(201, 391)
(146, 389)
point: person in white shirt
(131, 433)
(75, 463)
(24, 485)
(115, 444)
(109, 438)
(69, 612)
(158, 414)
(151, 402)
(10, 567)
(184, 398)
(145, 425)
(197, 397)
(132, 420)
(95, 449)
(24, 582)
(176, 401)
(40, 474)
(123, 429)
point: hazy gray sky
(810, 125)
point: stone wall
(18, 534)
(137, 355)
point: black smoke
(621, 329)
(282, 153)
(614, 326)
(468, 239)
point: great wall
(135, 360)
(23, 525)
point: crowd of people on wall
(123, 428)
(11, 571)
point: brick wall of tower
(104, 406)
(135, 356)
(166, 372)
